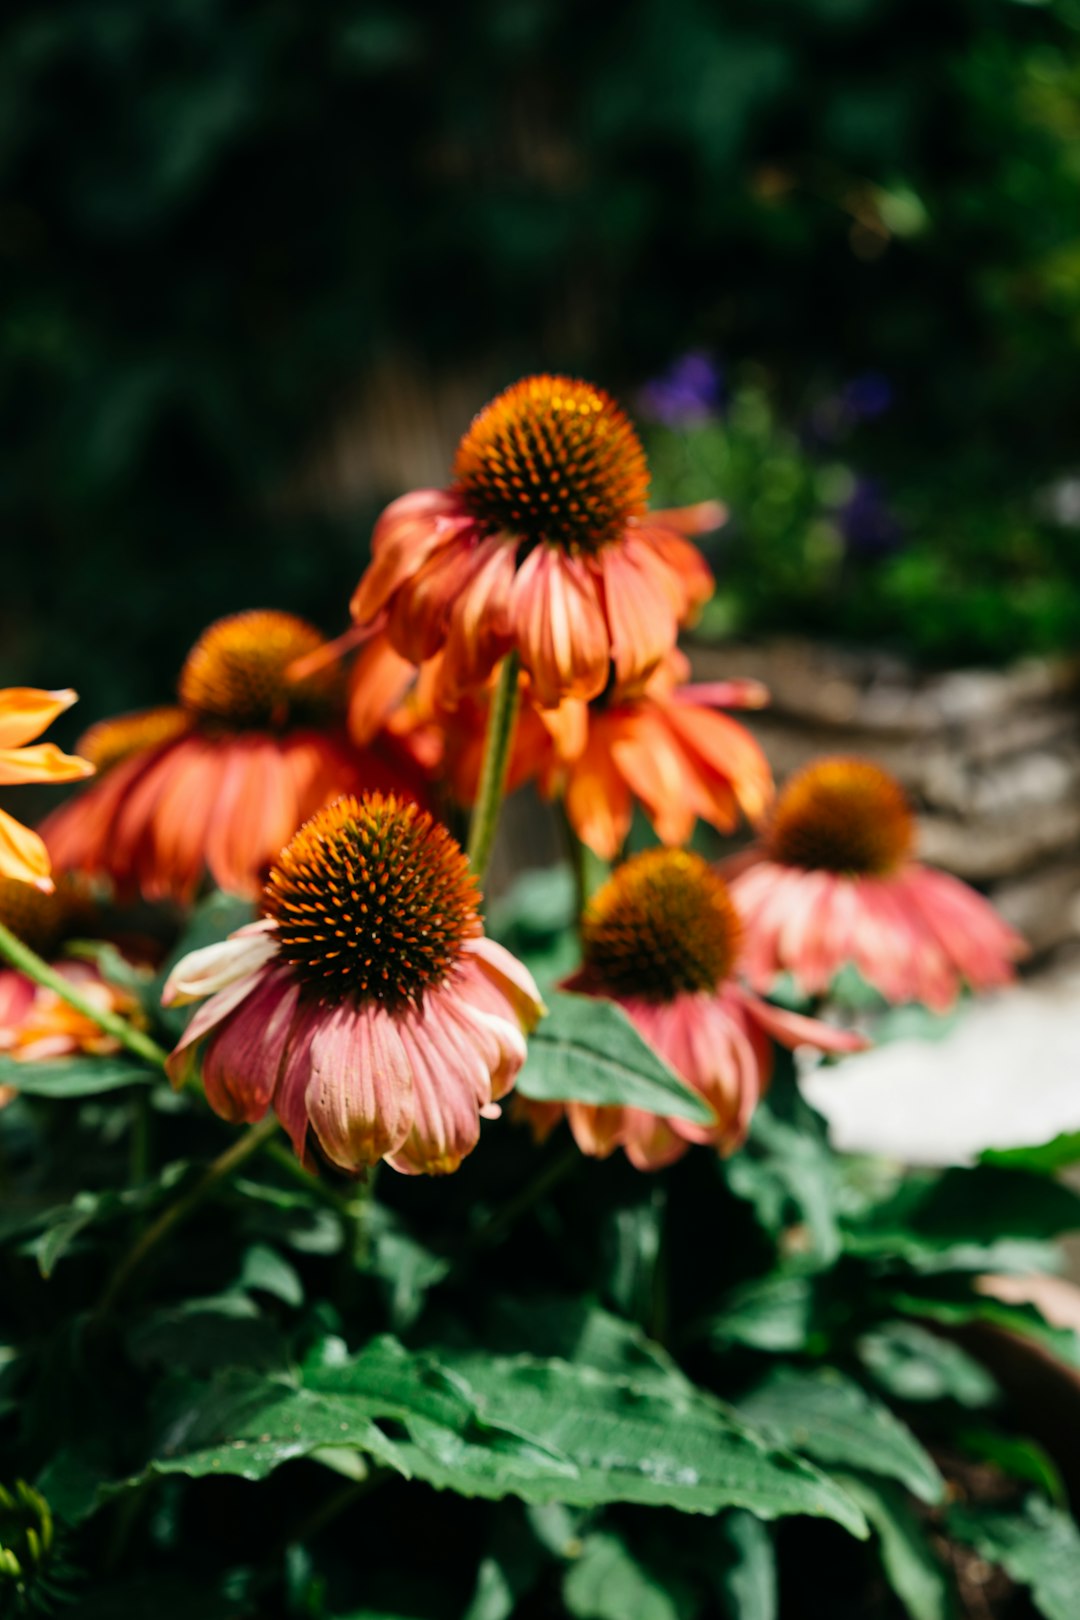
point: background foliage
(219, 220)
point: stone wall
(991, 759)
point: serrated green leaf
(587, 1050)
(85, 1076)
(829, 1417)
(61, 1226)
(608, 1583)
(494, 1426)
(1038, 1547)
(913, 1570)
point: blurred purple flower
(868, 525)
(689, 392)
(862, 399)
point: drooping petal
(642, 619)
(406, 535)
(244, 1055)
(450, 1084)
(793, 1029)
(360, 1094)
(379, 680)
(560, 627)
(204, 972)
(510, 977)
(26, 711)
(597, 798)
(182, 1061)
(42, 763)
(481, 630)
(23, 855)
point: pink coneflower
(366, 1007)
(833, 882)
(662, 938)
(542, 544)
(220, 783)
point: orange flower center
(238, 673)
(373, 899)
(842, 815)
(39, 920)
(553, 459)
(110, 742)
(663, 924)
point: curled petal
(23, 856)
(410, 531)
(26, 711)
(214, 967)
(560, 627)
(795, 1029)
(510, 977)
(244, 1056)
(42, 763)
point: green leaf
(830, 1418)
(912, 1364)
(84, 1076)
(266, 1271)
(959, 1308)
(771, 1313)
(204, 1335)
(608, 1583)
(1046, 1159)
(495, 1426)
(787, 1170)
(67, 1222)
(1020, 1458)
(1039, 1548)
(913, 1570)
(747, 1584)
(587, 1050)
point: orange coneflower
(25, 712)
(366, 1007)
(542, 543)
(834, 882)
(221, 782)
(36, 1023)
(663, 939)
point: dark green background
(218, 219)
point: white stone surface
(1006, 1075)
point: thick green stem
(497, 746)
(223, 1166)
(20, 956)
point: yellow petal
(25, 711)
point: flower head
(542, 544)
(219, 783)
(25, 712)
(663, 938)
(834, 881)
(366, 1007)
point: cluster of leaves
(947, 569)
(543, 1387)
(218, 220)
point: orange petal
(23, 856)
(560, 627)
(25, 711)
(42, 763)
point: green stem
(20, 956)
(548, 1176)
(497, 746)
(223, 1166)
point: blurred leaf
(1039, 1548)
(787, 1170)
(912, 1364)
(914, 1572)
(67, 1223)
(87, 1075)
(773, 1313)
(203, 1336)
(608, 1583)
(1047, 1159)
(264, 1270)
(1017, 1457)
(747, 1584)
(829, 1417)
(587, 1050)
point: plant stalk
(223, 1166)
(20, 956)
(497, 745)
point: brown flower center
(373, 901)
(663, 924)
(238, 673)
(110, 742)
(842, 815)
(39, 920)
(553, 459)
